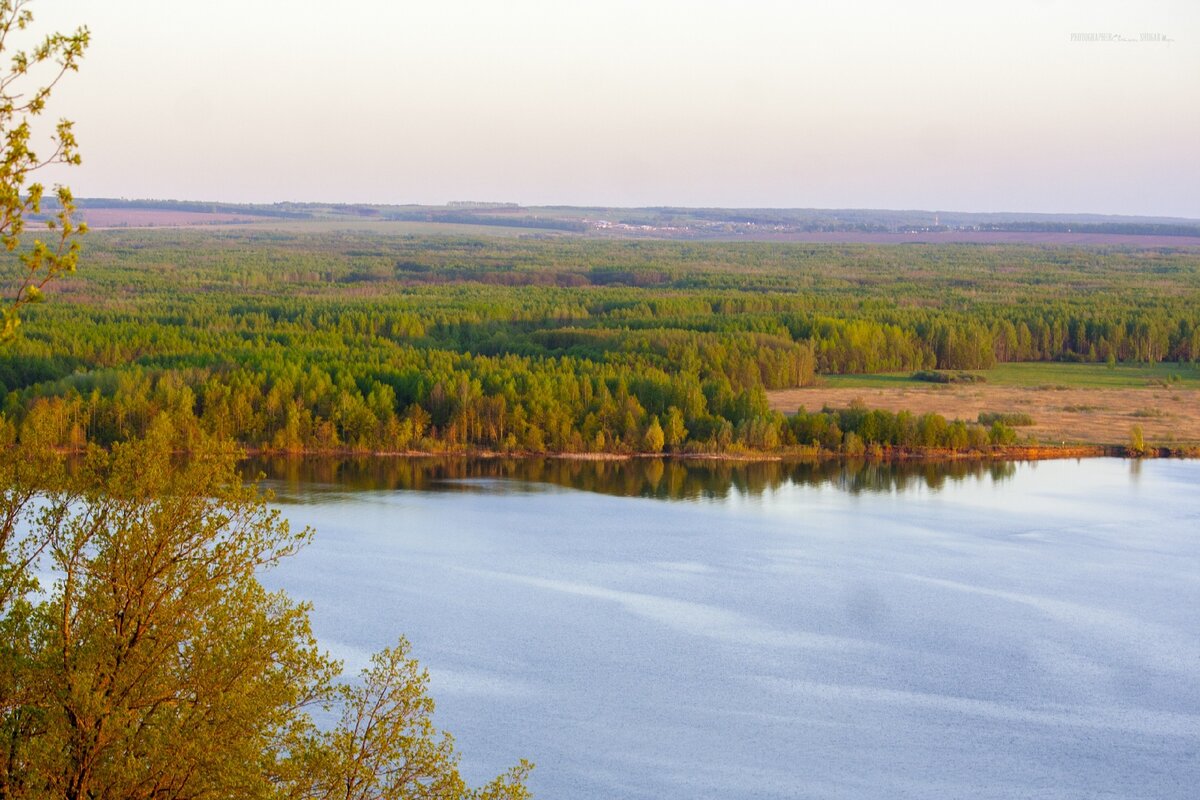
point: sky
(967, 106)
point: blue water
(1030, 634)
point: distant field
(1073, 403)
(1044, 374)
(985, 237)
(100, 218)
(644, 224)
(398, 228)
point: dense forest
(295, 341)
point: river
(659, 630)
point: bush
(1001, 435)
(1015, 419)
(946, 376)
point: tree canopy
(309, 341)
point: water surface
(651, 630)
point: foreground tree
(386, 746)
(157, 666)
(34, 70)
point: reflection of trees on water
(665, 479)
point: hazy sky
(937, 105)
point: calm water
(654, 631)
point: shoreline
(1009, 453)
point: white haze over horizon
(935, 105)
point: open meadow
(1068, 403)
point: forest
(302, 340)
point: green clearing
(1048, 374)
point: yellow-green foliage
(355, 342)
(25, 88)
(157, 666)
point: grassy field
(1069, 403)
(331, 226)
(1046, 375)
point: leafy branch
(41, 65)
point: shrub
(1001, 434)
(1015, 419)
(946, 376)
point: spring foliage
(352, 342)
(34, 68)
